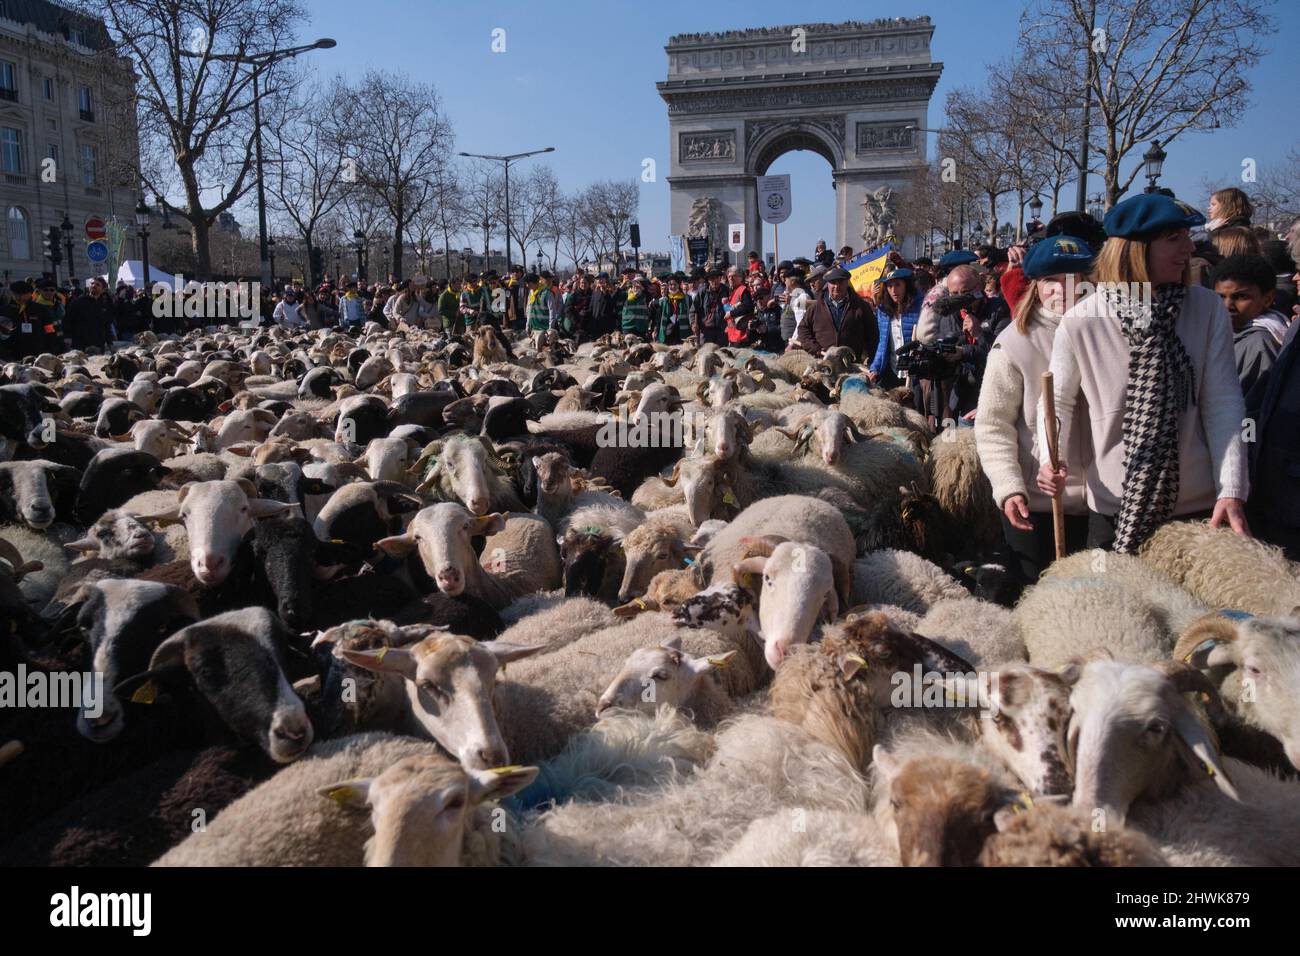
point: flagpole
(776, 241)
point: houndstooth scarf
(1161, 387)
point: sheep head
(1255, 663)
(421, 806)
(659, 676)
(450, 680)
(1131, 734)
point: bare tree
(1152, 69)
(306, 162)
(980, 149)
(194, 108)
(400, 143)
(481, 193)
(448, 213)
(611, 205)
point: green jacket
(449, 307)
(539, 312)
(636, 316)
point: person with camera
(1152, 355)
(840, 317)
(960, 324)
(898, 308)
(1007, 415)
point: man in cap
(840, 317)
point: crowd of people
(1167, 335)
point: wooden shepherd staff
(1049, 418)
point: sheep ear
(348, 793)
(248, 487)
(265, 507)
(383, 660)
(752, 565)
(850, 664)
(672, 644)
(1002, 818)
(1221, 655)
(1070, 672)
(82, 544)
(885, 762)
(488, 524)
(702, 665)
(1199, 751)
(505, 652)
(499, 782)
(397, 546)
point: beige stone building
(68, 140)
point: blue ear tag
(1235, 615)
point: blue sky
(580, 75)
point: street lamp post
(66, 226)
(260, 62)
(270, 249)
(359, 238)
(1097, 206)
(1154, 158)
(142, 229)
(384, 250)
(506, 161)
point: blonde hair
(1236, 241)
(1124, 261)
(1234, 203)
(1026, 307)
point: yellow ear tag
(502, 771)
(1024, 801)
(855, 658)
(719, 662)
(640, 603)
(146, 693)
(337, 541)
(340, 795)
(730, 499)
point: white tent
(132, 273)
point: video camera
(921, 360)
(955, 304)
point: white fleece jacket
(1005, 432)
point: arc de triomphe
(739, 100)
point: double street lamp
(359, 241)
(270, 249)
(505, 162)
(259, 62)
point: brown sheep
(1050, 835)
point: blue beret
(1056, 255)
(899, 273)
(1139, 216)
(958, 257)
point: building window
(49, 88)
(52, 151)
(89, 165)
(84, 103)
(20, 246)
(8, 80)
(11, 149)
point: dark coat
(604, 314)
(1274, 404)
(88, 321)
(858, 329)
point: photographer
(958, 314)
(897, 309)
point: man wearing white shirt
(288, 312)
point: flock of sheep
(399, 600)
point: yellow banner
(866, 268)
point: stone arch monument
(739, 100)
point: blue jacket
(910, 317)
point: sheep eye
(1157, 728)
(659, 675)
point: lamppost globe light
(1035, 206)
(141, 213)
(325, 43)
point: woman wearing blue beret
(1008, 410)
(1152, 356)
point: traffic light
(317, 263)
(52, 251)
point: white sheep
(1100, 600)
(904, 580)
(980, 631)
(372, 799)
(1224, 570)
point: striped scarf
(1161, 387)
